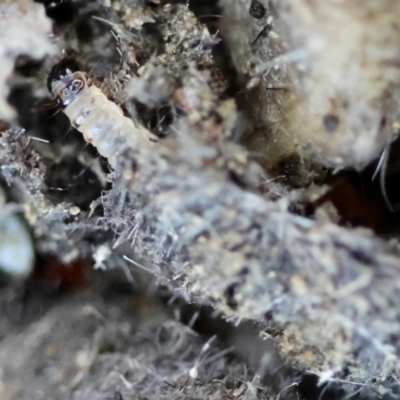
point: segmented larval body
(101, 121)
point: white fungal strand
(101, 121)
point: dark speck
(269, 316)
(118, 396)
(257, 10)
(230, 296)
(331, 123)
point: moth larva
(101, 121)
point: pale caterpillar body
(101, 121)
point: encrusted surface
(205, 217)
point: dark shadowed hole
(61, 11)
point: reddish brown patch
(63, 277)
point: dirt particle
(331, 123)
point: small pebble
(17, 254)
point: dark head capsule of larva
(64, 68)
(66, 81)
